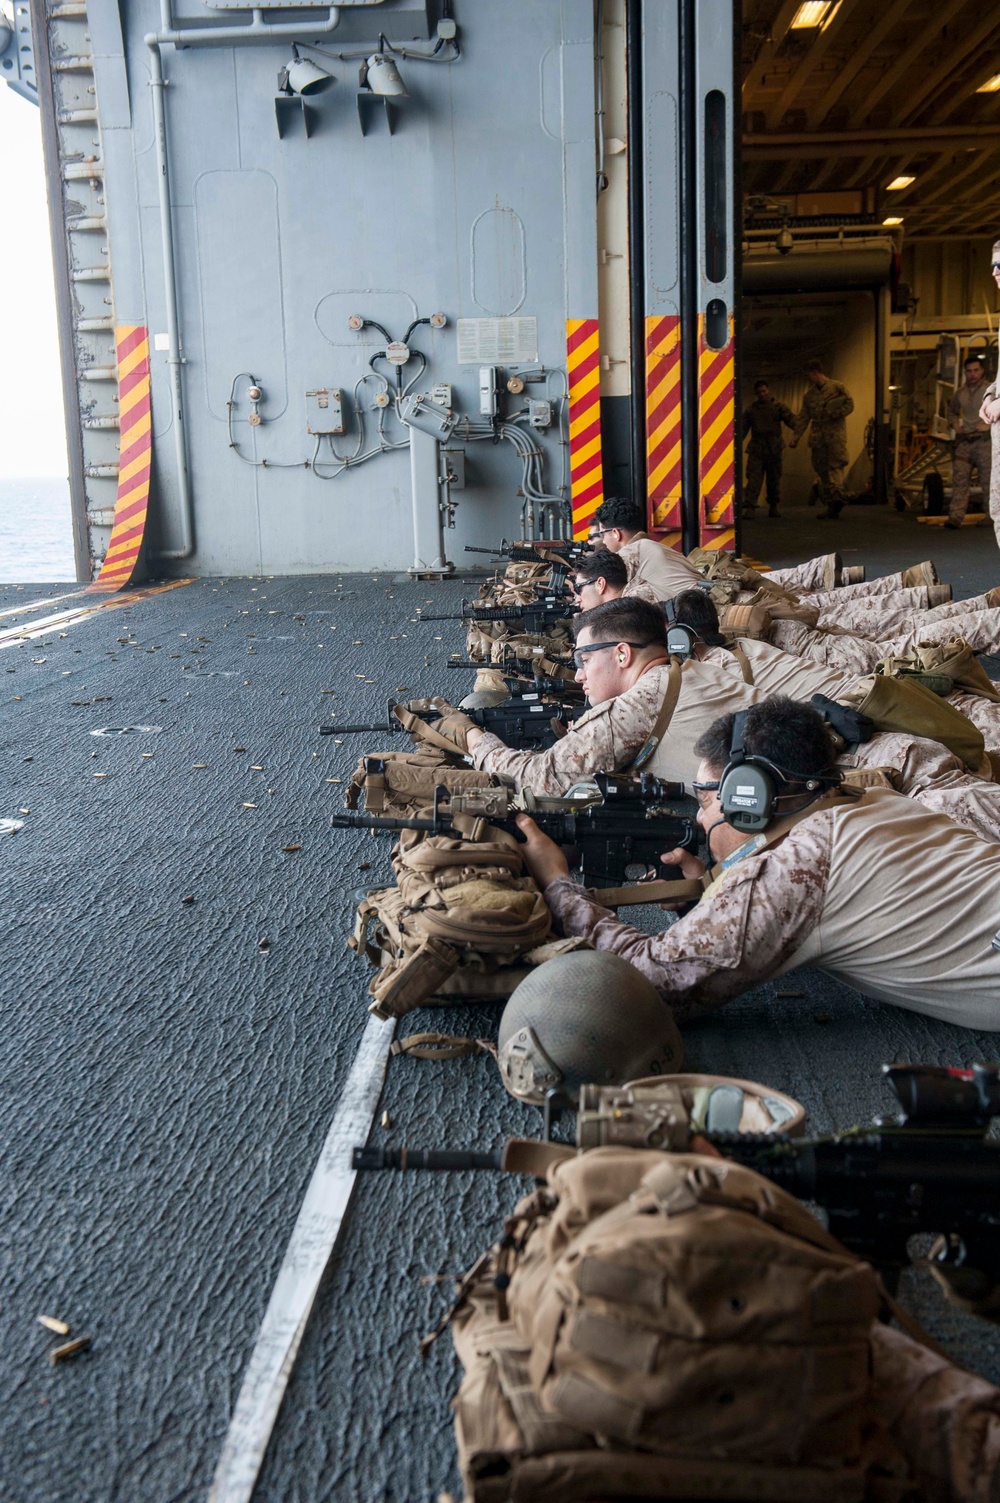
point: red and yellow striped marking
(134, 459)
(716, 440)
(663, 428)
(583, 373)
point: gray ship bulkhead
(480, 204)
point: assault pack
(618, 1339)
(464, 919)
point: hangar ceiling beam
(904, 64)
(853, 65)
(778, 146)
(810, 61)
(919, 93)
(770, 45)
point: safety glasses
(579, 654)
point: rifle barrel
(424, 1158)
(355, 730)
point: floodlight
(302, 76)
(381, 76)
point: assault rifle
(516, 673)
(522, 552)
(522, 722)
(537, 617)
(617, 835)
(929, 1169)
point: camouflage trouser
(970, 453)
(763, 464)
(857, 655)
(995, 478)
(874, 616)
(808, 581)
(830, 469)
(932, 775)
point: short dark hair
(758, 384)
(975, 360)
(814, 365)
(603, 565)
(623, 512)
(784, 731)
(625, 620)
(696, 608)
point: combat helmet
(585, 1017)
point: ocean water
(36, 536)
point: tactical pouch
(753, 621)
(901, 704)
(400, 783)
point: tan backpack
(907, 706)
(653, 1299)
(464, 920)
(943, 667)
(729, 573)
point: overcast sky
(32, 426)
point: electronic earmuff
(681, 639)
(750, 786)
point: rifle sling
(743, 661)
(670, 697)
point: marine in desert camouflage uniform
(625, 674)
(807, 899)
(972, 441)
(825, 407)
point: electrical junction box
(440, 394)
(325, 410)
(418, 411)
(540, 414)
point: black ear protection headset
(680, 639)
(750, 785)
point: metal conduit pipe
(258, 30)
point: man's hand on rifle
(692, 869)
(543, 858)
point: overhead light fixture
(813, 13)
(899, 182)
(893, 219)
(991, 86)
(302, 76)
(381, 76)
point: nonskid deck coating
(166, 1083)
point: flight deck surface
(180, 1016)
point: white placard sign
(497, 341)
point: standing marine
(763, 420)
(825, 407)
(972, 440)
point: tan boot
(993, 597)
(920, 574)
(831, 571)
(852, 574)
(938, 594)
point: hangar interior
(871, 203)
